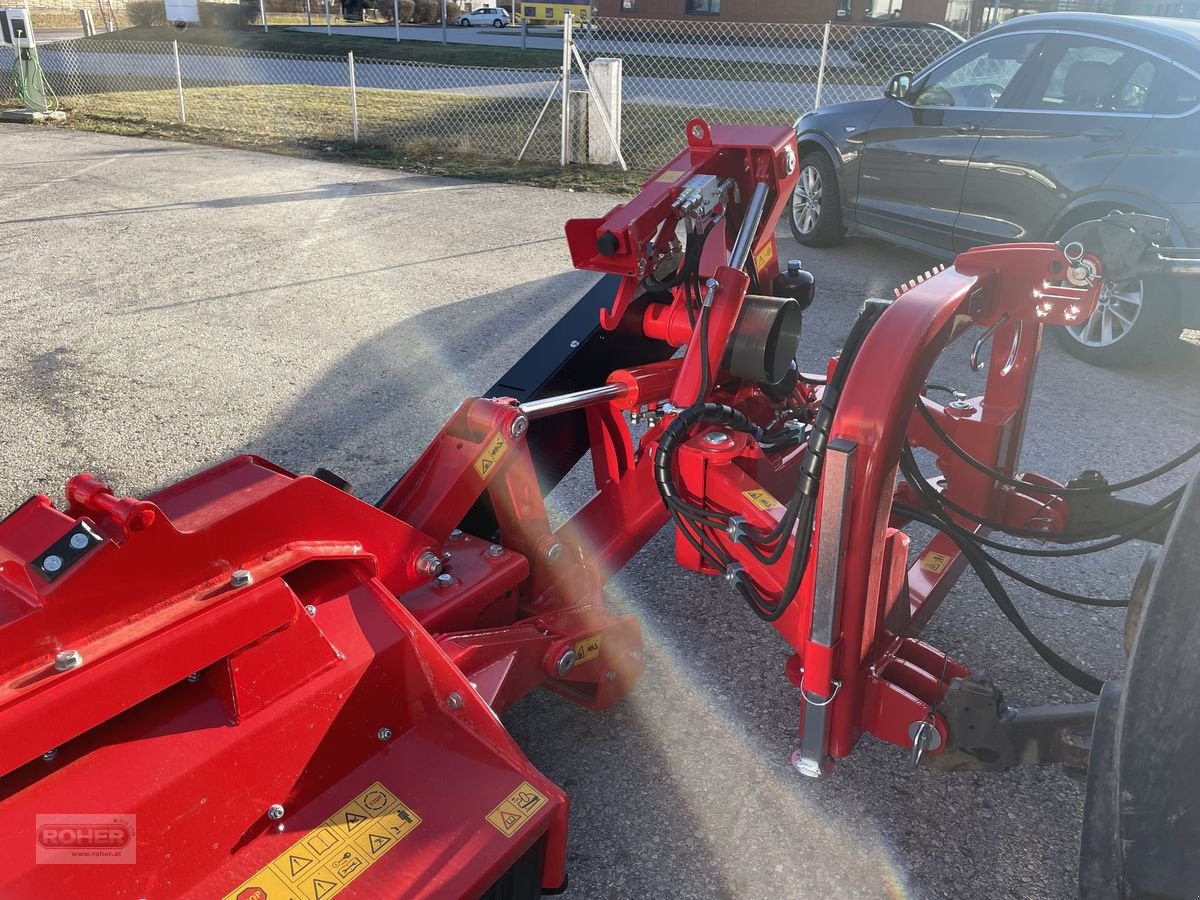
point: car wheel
(497, 23)
(465, 23)
(816, 210)
(1131, 319)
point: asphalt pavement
(168, 305)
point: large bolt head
(67, 659)
(275, 812)
(240, 578)
(716, 438)
(554, 553)
(565, 662)
(519, 426)
(495, 550)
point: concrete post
(605, 76)
(577, 128)
(179, 83)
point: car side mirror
(899, 86)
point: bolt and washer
(445, 580)
(310, 609)
(456, 534)
(240, 578)
(384, 734)
(194, 677)
(495, 550)
(79, 540)
(52, 563)
(715, 438)
(275, 812)
(429, 564)
(807, 767)
(519, 426)
(565, 662)
(455, 700)
(49, 755)
(554, 552)
(65, 660)
(960, 401)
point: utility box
(182, 11)
(15, 28)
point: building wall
(730, 10)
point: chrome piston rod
(549, 406)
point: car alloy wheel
(1116, 313)
(806, 199)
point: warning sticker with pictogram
(762, 499)
(935, 562)
(330, 856)
(491, 455)
(588, 648)
(517, 809)
(765, 255)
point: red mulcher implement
(337, 667)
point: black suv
(1019, 134)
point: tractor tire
(1141, 829)
(815, 213)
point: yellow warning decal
(517, 809)
(321, 864)
(762, 499)
(588, 648)
(670, 176)
(491, 455)
(935, 562)
(764, 256)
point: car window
(1094, 76)
(978, 76)
(1179, 93)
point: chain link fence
(746, 73)
(259, 97)
(672, 71)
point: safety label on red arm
(330, 856)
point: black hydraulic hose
(1041, 489)
(1050, 590)
(1065, 536)
(934, 501)
(991, 583)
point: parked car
(1019, 134)
(485, 15)
(913, 44)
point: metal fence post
(565, 137)
(328, 20)
(353, 97)
(179, 83)
(524, 34)
(396, 18)
(821, 66)
(308, 11)
(262, 11)
(444, 21)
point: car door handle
(967, 128)
(1104, 134)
